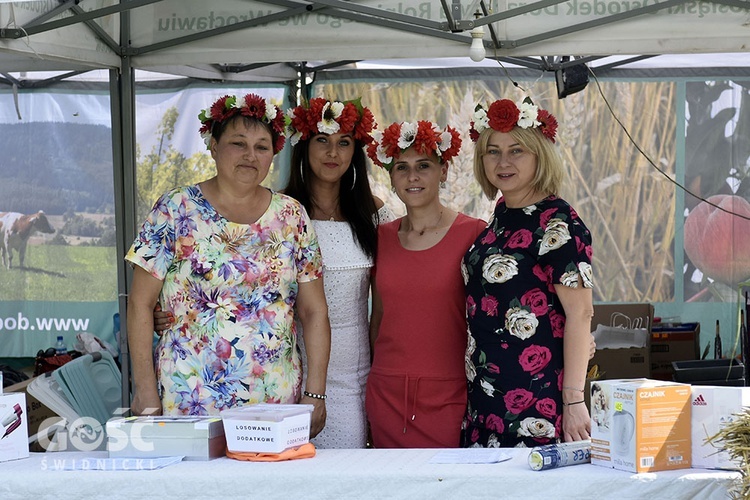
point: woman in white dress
(329, 177)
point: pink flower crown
(322, 116)
(504, 114)
(426, 137)
(252, 106)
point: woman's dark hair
(356, 202)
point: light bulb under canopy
(476, 51)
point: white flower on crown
(270, 110)
(239, 103)
(408, 134)
(295, 137)
(481, 122)
(206, 136)
(383, 158)
(446, 139)
(528, 114)
(330, 126)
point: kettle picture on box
(624, 432)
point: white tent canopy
(256, 40)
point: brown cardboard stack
(673, 342)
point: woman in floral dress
(230, 260)
(528, 289)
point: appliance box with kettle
(640, 425)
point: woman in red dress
(416, 390)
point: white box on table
(640, 425)
(194, 437)
(712, 408)
(267, 428)
(14, 430)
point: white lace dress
(347, 288)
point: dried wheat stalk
(734, 438)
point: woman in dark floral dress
(528, 289)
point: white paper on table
(471, 456)
(115, 463)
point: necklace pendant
(332, 219)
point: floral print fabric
(514, 357)
(232, 289)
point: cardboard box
(632, 362)
(193, 437)
(673, 342)
(640, 425)
(14, 432)
(712, 408)
(37, 412)
(264, 427)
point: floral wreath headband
(322, 116)
(426, 137)
(252, 106)
(504, 114)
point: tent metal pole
(122, 95)
(304, 88)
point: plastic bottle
(60, 347)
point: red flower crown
(252, 106)
(504, 114)
(426, 137)
(322, 116)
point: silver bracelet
(314, 396)
(573, 388)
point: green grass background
(62, 273)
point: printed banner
(58, 269)
(26, 327)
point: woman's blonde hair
(550, 173)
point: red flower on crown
(323, 116)
(424, 136)
(549, 124)
(503, 115)
(251, 106)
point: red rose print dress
(514, 358)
